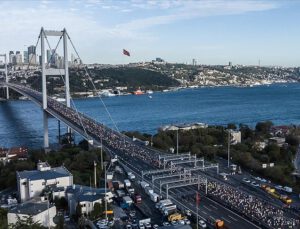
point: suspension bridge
(141, 160)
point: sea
(21, 122)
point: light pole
(228, 147)
(177, 141)
(105, 191)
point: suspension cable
(90, 78)
(79, 116)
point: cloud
(184, 10)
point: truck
(120, 193)
(130, 190)
(131, 177)
(127, 200)
(169, 209)
(109, 176)
(137, 198)
(144, 184)
(127, 183)
(118, 184)
(162, 203)
(154, 197)
(148, 190)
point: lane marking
(213, 206)
(226, 220)
(231, 217)
(204, 212)
(207, 208)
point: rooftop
(30, 208)
(53, 173)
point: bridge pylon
(50, 71)
(6, 74)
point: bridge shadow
(14, 121)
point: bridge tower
(51, 71)
(6, 75)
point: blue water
(21, 121)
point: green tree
(26, 223)
(3, 218)
(263, 127)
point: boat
(149, 92)
(150, 97)
(60, 99)
(23, 98)
(106, 93)
(138, 92)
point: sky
(210, 31)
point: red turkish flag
(125, 52)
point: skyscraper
(25, 57)
(18, 58)
(48, 55)
(31, 50)
(11, 57)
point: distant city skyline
(208, 31)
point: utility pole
(101, 154)
(95, 174)
(105, 191)
(228, 148)
(177, 141)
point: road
(209, 209)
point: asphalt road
(208, 210)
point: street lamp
(228, 146)
(177, 141)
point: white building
(38, 211)
(31, 183)
(236, 137)
(86, 196)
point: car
(188, 212)
(128, 226)
(132, 213)
(246, 180)
(148, 225)
(257, 178)
(165, 224)
(202, 224)
(174, 223)
(253, 183)
(279, 187)
(181, 222)
(263, 180)
(110, 223)
(155, 226)
(187, 221)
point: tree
(231, 126)
(292, 140)
(26, 223)
(3, 218)
(263, 127)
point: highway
(209, 209)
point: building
(184, 126)
(31, 50)
(10, 57)
(32, 183)
(277, 140)
(48, 55)
(236, 137)
(86, 196)
(37, 210)
(19, 59)
(25, 54)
